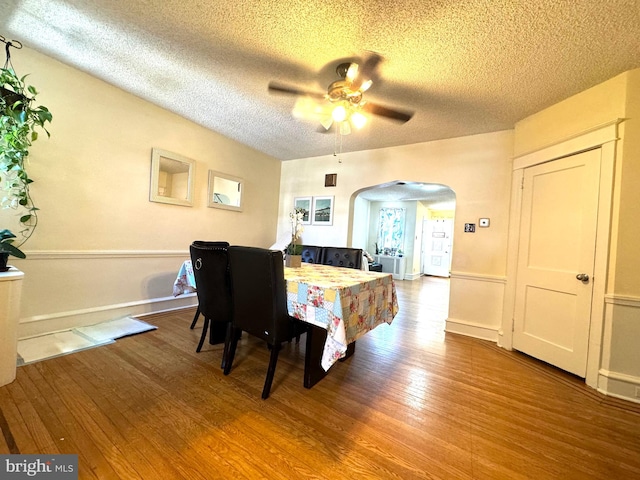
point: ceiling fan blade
(397, 115)
(275, 87)
(367, 70)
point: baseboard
(44, 324)
(471, 330)
(412, 276)
(619, 385)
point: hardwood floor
(413, 402)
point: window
(391, 231)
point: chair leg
(204, 334)
(195, 319)
(231, 352)
(270, 371)
(227, 344)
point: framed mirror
(225, 191)
(172, 178)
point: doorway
(437, 242)
(422, 201)
(602, 140)
(554, 283)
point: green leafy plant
(7, 248)
(19, 124)
(6, 244)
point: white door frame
(603, 137)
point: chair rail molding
(88, 254)
(61, 321)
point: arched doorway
(427, 226)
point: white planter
(10, 290)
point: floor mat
(114, 329)
(40, 348)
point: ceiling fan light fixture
(352, 72)
(326, 123)
(365, 85)
(345, 128)
(358, 120)
(339, 113)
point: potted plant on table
(19, 121)
(294, 251)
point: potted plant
(19, 121)
(6, 249)
(294, 251)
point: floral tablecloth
(185, 281)
(346, 302)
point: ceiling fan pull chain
(337, 144)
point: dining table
(340, 305)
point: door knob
(583, 277)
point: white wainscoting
(619, 374)
(475, 307)
(69, 289)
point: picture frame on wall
(305, 204)
(322, 210)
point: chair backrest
(342, 257)
(260, 293)
(311, 254)
(210, 261)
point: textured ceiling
(463, 67)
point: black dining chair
(311, 254)
(259, 304)
(210, 261)
(342, 257)
(201, 244)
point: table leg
(351, 348)
(313, 371)
(218, 333)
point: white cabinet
(392, 264)
(10, 290)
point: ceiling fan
(343, 103)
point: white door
(436, 247)
(554, 282)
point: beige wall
(627, 260)
(477, 168)
(100, 241)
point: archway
(427, 233)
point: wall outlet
(637, 392)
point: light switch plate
(484, 222)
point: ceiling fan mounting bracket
(340, 90)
